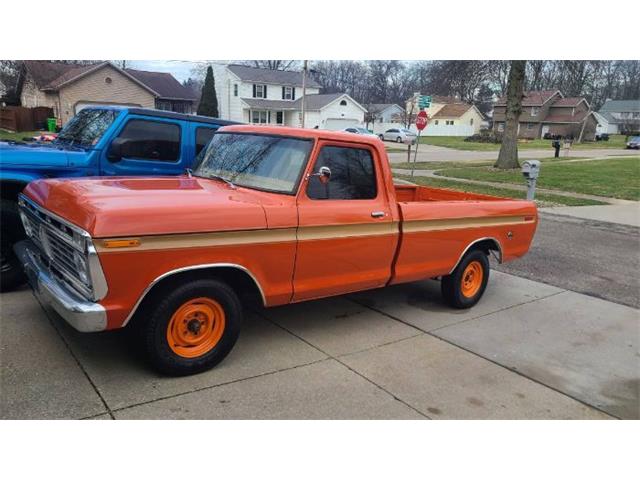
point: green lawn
(470, 164)
(6, 135)
(542, 199)
(615, 177)
(615, 141)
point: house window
(163, 105)
(530, 126)
(280, 118)
(501, 126)
(534, 111)
(287, 93)
(259, 116)
(108, 80)
(343, 103)
(437, 122)
(235, 89)
(471, 121)
(450, 122)
(259, 91)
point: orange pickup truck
(283, 214)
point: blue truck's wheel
(11, 274)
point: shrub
(485, 136)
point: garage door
(340, 123)
(81, 105)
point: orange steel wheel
(472, 279)
(196, 327)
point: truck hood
(136, 206)
(34, 154)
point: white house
(274, 97)
(620, 116)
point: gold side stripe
(459, 223)
(249, 237)
(341, 231)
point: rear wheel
(191, 328)
(399, 140)
(11, 274)
(464, 287)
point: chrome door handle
(377, 214)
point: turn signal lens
(121, 243)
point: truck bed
(437, 225)
(417, 193)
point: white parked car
(360, 131)
(399, 135)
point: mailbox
(531, 171)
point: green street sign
(424, 101)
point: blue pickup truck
(97, 141)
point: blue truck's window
(148, 140)
(87, 126)
(203, 135)
(352, 175)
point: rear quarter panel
(434, 235)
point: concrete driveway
(432, 153)
(528, 350)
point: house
(385, 113)
(621, 116)
(449, 116)
(67, 88)
(549, 112)
(261, 96)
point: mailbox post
(531, 171)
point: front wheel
(399, 140)
(192, 328)
(11, 274)
(464, 287)
(381, 137)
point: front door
(146, 147)
(346, 236)
(544, 131)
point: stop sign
(421, 120)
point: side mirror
(325, 175)
(115, 150)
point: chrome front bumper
(81, 314)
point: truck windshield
(264, 162)
(86, 127)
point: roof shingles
(278, 77)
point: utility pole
(304, 89)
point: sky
(181, 69)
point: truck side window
(203, 135)
(148, 140)
(352, 175)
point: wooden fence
(22, 119)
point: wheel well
(241, 281)
(9, 190)
(487, 245)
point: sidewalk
(527, 350)
(624, 214)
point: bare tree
(508, 156)
(274, 64)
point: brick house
(549, 111)
(67, 88)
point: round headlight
(81, 266)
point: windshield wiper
(217, 177)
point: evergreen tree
(208, 101)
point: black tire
(11, 273)
(452, 285)
(381, 137)
(399, 140)
(154, 322)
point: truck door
(346, 236)
(146, 146)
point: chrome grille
(55, 240)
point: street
(593, 257)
